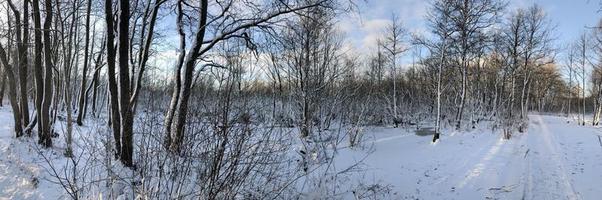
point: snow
(21, 174)
(555, 159)
(26, 169)
(552, 160)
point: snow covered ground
(554, 159)
(22, 172)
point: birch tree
(393, 44)
(537, 51)
(438, 18)
(469, 20)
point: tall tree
(37, 64)
(21, 36)
(82, 92)
(596, 75)
(394, 47)
(125, 109)
(45, 136)
(12, 91)
(438, 18)
(537, 50)
(582, 45)
(469, 19)
(115, 118)
(23, 70)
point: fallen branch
(505, 188)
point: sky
(570, 17)
(366, 24)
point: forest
(269, 99)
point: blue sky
(570, 17)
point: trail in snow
(546, 171)
(553, 159)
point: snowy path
(552, 160)
(546, 169)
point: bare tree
(596, 75)
(438, 18)
(394, 47)
(222, 28)
(537, 51)
(21, 36)
(311, 64)
(12, 91)
(582, 45)
(124, 95)
(37, 64)
(570, 61)
(82, 92)
(115, 118)
(469, 19)
(45, 135)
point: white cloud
(373, 30)
(364, 31)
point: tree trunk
(24, 65)
(82, 92)
(95, 78)
(439, 72)
(523, 99)
(583, 79)
(173, 139)
(46, 134)
(144, 53)
(12, 91)
(597, 109)
(463, 97)
(112, 85)
(2, 86)
(570, 95)
(89, 87)
(124, 84)
(38, 64)
(21, 62)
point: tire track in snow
(390, 138)
(543, 176)
(547, 166)
(478, 168)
